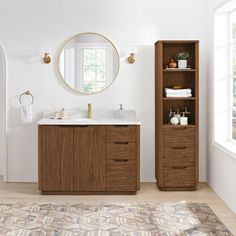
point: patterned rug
(71, 219)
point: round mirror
(89, 63)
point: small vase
(182, 64)
(172, 64)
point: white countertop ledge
(88, 121)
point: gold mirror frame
(58, 63)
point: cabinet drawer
(176, 176)
(121, 133)
(178, 156)
(120, 150)
(121, 175)
(179, 136)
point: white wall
(221, 165)
(2, 108)
(27, 25)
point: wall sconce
(47, 59)
(132, 53)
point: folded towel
(178, 91)
(187, 95)
(26, 114)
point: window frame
(231, 76)
(83, 66)
(109, 67)
(229, 143)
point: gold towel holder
(28, 93)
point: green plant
(182, 56)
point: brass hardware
(90, 113)
(28, 93)
(47, 59)
(61, 50)
(131, 58)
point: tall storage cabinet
(176, 146)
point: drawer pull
(121, 160)
(122, 143)
(179, 167)
(179, 147)
(123, 126)
(83, 126)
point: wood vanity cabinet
(122, 158)
(56, 158)
(89, 159)
(176, 146)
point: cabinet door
(55, 158)
(89, 158)
(121, 175)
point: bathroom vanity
(89, 156)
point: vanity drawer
(176, 176)
(121, 175)
(179, 156)
(179, 136)
(120, 150)
(121, 133)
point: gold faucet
(90, 113)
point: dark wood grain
(176, 147)
(179, 176)
(90, 193)
(138, 130)
(119, 133)
(178, 156)
(121, 150)
(121, 175)
(89, 158)
(55, 158)
(158, 112)
(197, 111)
(179, 136)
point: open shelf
(171, 49)
(179, 70)
(176, 98)
(180, 104)
(174, 141)
(178, 126)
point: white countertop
(88, 121)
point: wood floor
(27, 192)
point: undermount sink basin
(86, 119)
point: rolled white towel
(178, 91)
(26, 114)
(171, 95)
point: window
(233, 73)
(94, 72)
(225, 75)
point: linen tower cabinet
(176, 146)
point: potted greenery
(182, 57)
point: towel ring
(28, 93)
